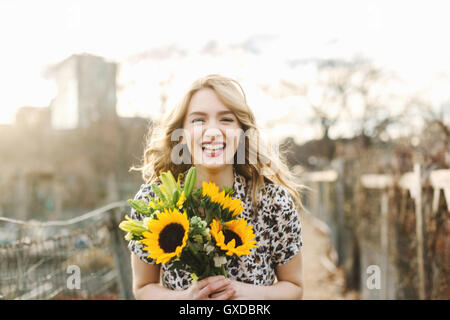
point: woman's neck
(221, 177)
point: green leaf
(189, 183)
(168, 181)
(228, 191)
(158, 192)
(175, 196)
(140, 206)
(176, 265)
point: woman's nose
(212, 131)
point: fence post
(383, 183)
(420, 226)
(340, 214)
(121, 256)
(440, 179)
(384, 233)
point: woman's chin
(214, 160)
(213, 163)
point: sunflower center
(171, 237)
(230, 235)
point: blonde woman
(220, 138)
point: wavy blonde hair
(159, 145)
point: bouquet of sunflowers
(195, 230)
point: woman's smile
(213, 149)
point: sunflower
(168, 235)
(234, 206)
(234, 237)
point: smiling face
(212, 130)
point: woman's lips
(213, 149)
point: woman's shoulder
(275, 192)
(276, 199)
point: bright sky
(408, 36)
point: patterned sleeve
(134, 246)
(286, 237)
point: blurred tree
(356, 95)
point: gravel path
(322, 279)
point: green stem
(224, 272)
(209, 217)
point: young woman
(220, 138)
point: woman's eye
(227, 119)
(196, 120)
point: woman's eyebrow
(203, 113)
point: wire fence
(81, 258)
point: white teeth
(213, 147)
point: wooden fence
(338, 199)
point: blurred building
(86, 91)
(33, 117)
(73, 155)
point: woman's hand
(289, 284)
(242, 291)
(211, 288)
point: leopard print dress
(278, 234)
